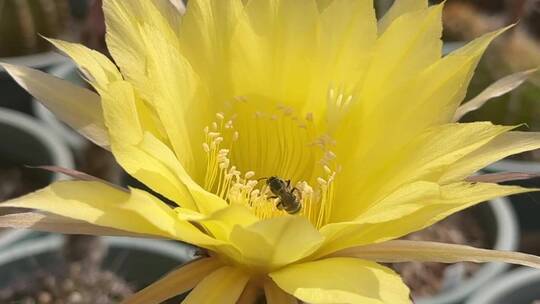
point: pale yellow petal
(342, 280)
(418, 251)
(224, 285)
(270, 244)
(100, 204)
(58, 224)
(400, 7)
(498, 88)
(96, 67)
(502, 146)
(78, 107)
(176, 282)
(411, 208)
(275, 295)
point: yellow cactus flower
(298, 139)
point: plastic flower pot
(76, 142)
(28, 142)
(499, 222)
(138, 261)
(13, 96)
(520, 286)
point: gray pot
(497, 217)
(28, 142)
(527, 205)
(520, 286)
(67, 71)
(13, 96)
(138, 261)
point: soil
(78, 280)
(427, 279)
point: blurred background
(48, 268)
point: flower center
(273, 162)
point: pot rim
(512, 165)
(37, 61)
(510, 282)
(60, 154)
(506, 239)
(31, 247)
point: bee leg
(279, 205)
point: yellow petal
(342, 280)
(410, 104)
(125, 39)
(80, 108)
(275, 295)
(146, 158)
(179, 101)
(224, 285)
(100, 204)
(276, 242)
(222, 222)
(126, 133)
(411, 208)
(274, 50)
(97, 68)
(204, 201)
(399, 8)
(502, 146)
(205, 40)
(58, 224)
(348, 31)
(409, 45)
(426, 157)
(176, 282)
(407, 251)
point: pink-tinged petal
(418, 251)
(78, 107)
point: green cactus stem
(22, 21)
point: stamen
(281, 145)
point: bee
(282, 190)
